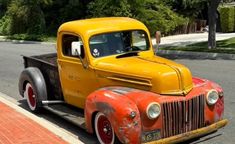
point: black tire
(32, 86)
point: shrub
(5, 23)
(227, 18)
(31, 37)
(23, 17)
(234, 19)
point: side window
(138, 37)
(67, 40)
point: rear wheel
(33, 87)
(104, 130)
(30, 95)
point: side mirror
(158, 41)
(158, 37)
(76, 51)
(76, 48)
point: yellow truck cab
(106, 73)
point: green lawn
(223, 46)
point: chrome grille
(182, 116)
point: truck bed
(47, 64)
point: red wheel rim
(31, 96)
(105, 129)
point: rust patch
(219, 109)
(105, 107)
(118, 90)
(129, 130)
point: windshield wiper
(128, 54)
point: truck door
(77, 82)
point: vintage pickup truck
(106, 79)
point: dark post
(212, 16)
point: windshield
(118, 43)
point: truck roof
(101, 25)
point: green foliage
(153, 13)
(60, 11)
(24, 16)
(227, 1)
(3, 7)
(101, 8)
(227, 43)
(233, 18)
(227, 18)
(38, 17)
(223, 46)
(187, 8)
(159, 17)
(29, 37)
(5, 23)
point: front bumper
(192, 134)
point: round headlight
(212, 97)
(153, 110)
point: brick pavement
(15, 128)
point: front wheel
(104, 130)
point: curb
(63, 134)
(172, 54)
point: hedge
(227, 18)
(233, 18)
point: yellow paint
(76, 81)
(146, 71)
(192, 134)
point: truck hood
(154, 74)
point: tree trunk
(212, 16)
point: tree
(153, 13)
(191, 9)
(60, 11)
(187, 8)
(212, 16)
(3, 6)
(101, 8)
(159, 17)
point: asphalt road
(11, 63)
(223, 73)
(220, 71)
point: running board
(71, 114)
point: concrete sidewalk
(18, 126)
(186, 39)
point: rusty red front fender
(118, 108)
